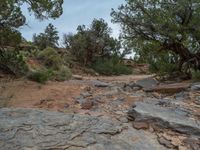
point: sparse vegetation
(111, 66)
(62, 74)
(196, 75)
(41, 76)
(167, 39)
(50, 58)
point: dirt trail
(112, 98)
(54, 95)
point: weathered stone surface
(132, 86)
(24, 129)
(140, 125)
(87, 104)
(147, 83)
(86, 94)
(98, 83)
(181, 95)
(165, 142)
(163, 114)
(169, 88)
(77, 77)
(195, 87)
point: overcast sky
(76, 12)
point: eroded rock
(169, 88)
(38, 130)
(195, 87)
(147, 83)
(163, 114)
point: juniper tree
(171, 26)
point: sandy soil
(57, 96)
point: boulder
(195, 87)
(147, 83)
(162, 114)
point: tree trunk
(186, 57)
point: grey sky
(76, 12)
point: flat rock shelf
(33, 129)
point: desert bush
(163, 64)
(62, 74)
(50, 58)
(111, 67)
(41, 76)
(13, 62)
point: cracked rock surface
(165, 115)
(33, 129)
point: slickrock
(165, 115)
(39, 130)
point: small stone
(181, 95)
(123, 119)
(147, 83)
(100, 83)
(151, 129)
(86, 94)
(87, 104)
(77, 77)
(88, 88)
(165, 142)
(140, 125)
(182, 148)
(195, 87)
(193, 143)
(66, 106)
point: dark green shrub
(50, 58)
(196, 75)
(164, 64)
(62, 74)
(41, 76)
(111, 67)
(13, 62)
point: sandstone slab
(169, 88)
(25, 129)
(165, 115)
(147, 83)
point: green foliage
(11, 13)
(111, 66)
(9, 37)
(168, 26)
(47, 39)
(11, 18)
(41, 76)
(163, 67)
(92, 42)
(196, 75)
(50, 58)
(62, 74)
(54, 64)
(13, 62)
